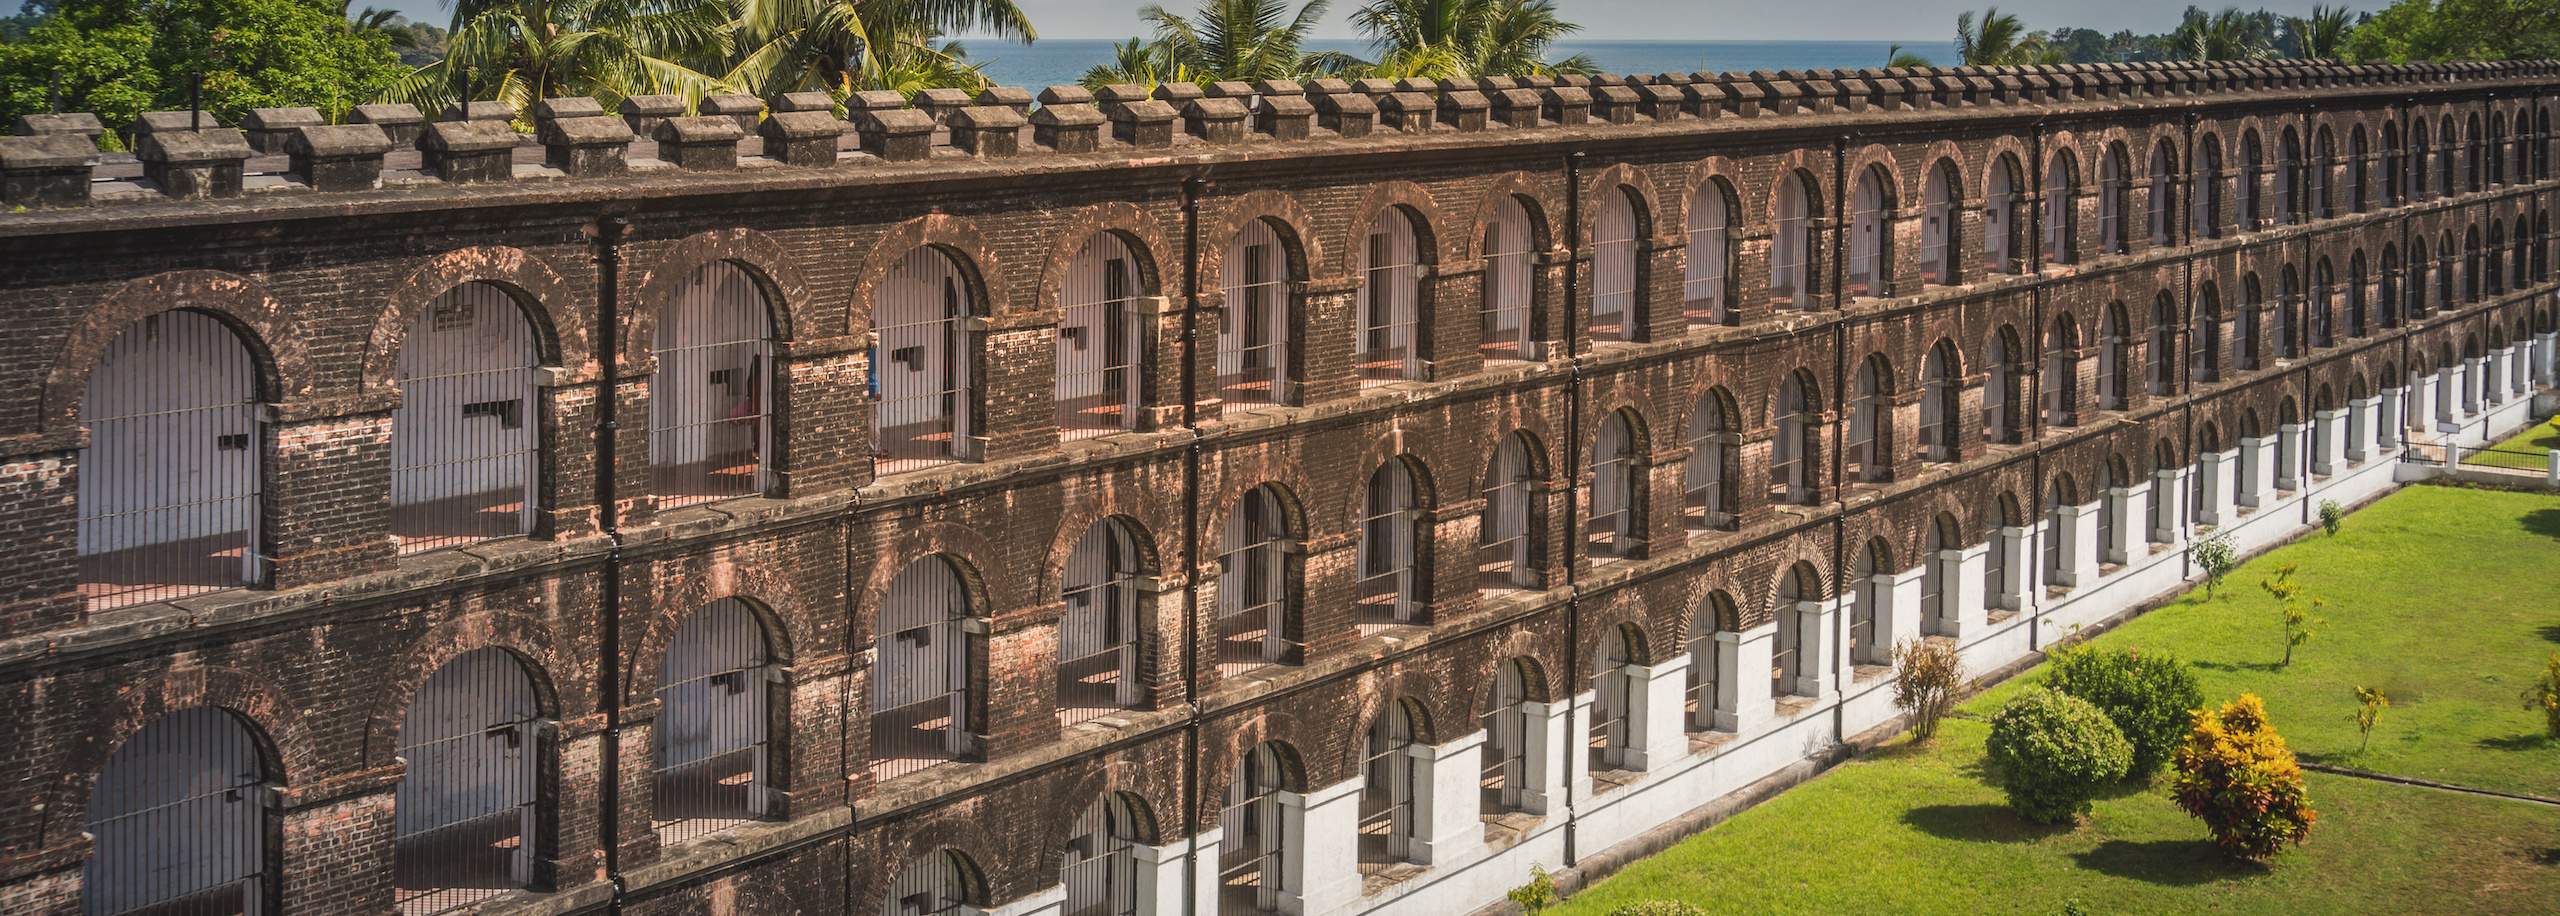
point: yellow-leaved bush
(2235, 773)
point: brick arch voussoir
(1994, 150)
(1150, 519)
(1292, 482)
(274, 721)
(1297, 235)
(1711, 375)
(1422, 456)
(1540, 648)
(1433, 226)
(1814, 167)
(951, 829)
(535, 644)
(958, 239)
(1612, 180)
(1280, 724)
(1898, 191)
(277, 342)
(677, 609)
(972, 554)
(1143, 234)
(1675, 212)
(1624, 607)
(777, 275)
(1542, 206)
(1948, 153)
(561, 316)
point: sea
(1058, 62)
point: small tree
(1539, 893)
(2544, 695)
(2298, 620)
(2151, 696)
(2235, 774)
(1925, 677)
(2053, 753)
(2370, 702)
(2213, 552)
(2332, 516)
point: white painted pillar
(2329, 449)
(1750, 691)
(1546, 749)
(1159, 874)
(1657, 700)
(2386, 431)
(1899, 618)
(2017, 569)
(2130, 523)
(2170, 485)
(2288, 461)
(1813, 628)
(1322, 861)
(2473, 370)
(2258, 462)
(1964, 588)
(2080, 544)
(2546, 369)
(1446, 802)
(2362, 421)
(2501, 381)
(2221, 472)
(1733, 652)
(1577, 751)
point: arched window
(1792, 452)
(2113, 214)
(2422, 162)
(2419, 288)
(1099, 629)
(2447, 271)
(1512, 775)
(1099, 866)
(2497, 150)
(1710, 699)
(1508, 241)
(921, 703)
(1101, 340)
(1390, 589)
(1710, 254)
(941, 884)
(1940, 415)
(2058, 500)
(2253, 169)
(1868, 645)
(1791, 246)
(1257, 854)
(1870, 238)
(1505, 559)
(1938, 257)
(2249, 332)
(2359, 173)
(1616, 529)
(169, 481)
(2280, 324)
(2164, 195)
(2292, 184)
(1940, 552)
(1613, 270)
(2493, 259)
(1795, 664)
(2115, 360)
(2161, 355)
(712, 731)
(2355, 295)
(1868, 426)
(2316, 184)
(1615, 730)
(2519, 275)
(462, 439)
(178, 820)
(2204, 206)
(2473, 163)
(1253, 334)
(708, 402)
(2208, 337)
(2061, 382)
(1255, 626)
(2471, 264)
(2000, 533)
(1390, 301)
(2393, 168)
(2000, 420)
(2449, 161)
(2386, 301)
(2110, 489)
(2541, 246)
(2061, 209)
(1713, 448)
(2321, 323)
(1392, 780)
(2001, 217)
(925, 415)
(2164, 493)
(464, 814)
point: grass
(2448, 598)
(2528, 450)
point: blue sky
(1755, 20)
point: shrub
(2296, 612)
(2235, 773)
(2332, 516)
(1539, 893)
(2214, 555)
(2370, 702)
(2053, 753)
(2152, 697)
(1659, 908)
(1925, 677)
(2544, 695)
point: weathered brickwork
(2132, 353)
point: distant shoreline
(1061, 61)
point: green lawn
(2528, 450)
(2448, 598)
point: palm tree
(852, 45)
(523, 51)
(1443, 39)
(1998, 43)
(1237, 40)
(1142, 62)
(2323, 36)
(2227, 35)
(1897, 58)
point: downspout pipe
(608, 260)
(1839, 429)
(1574, 676)
(2035, 571)
(2183, 382)
(1192, 188)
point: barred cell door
(1253, 343)
(933, 887)
(920, 685)
(462, 439)
(1253, 838)
(1613, 275)
(1098, 636)
(1612, 693)
(922, 364)
(1390, 294)
(178, 816)
(709, 400)
(711, 729)
(1507, 284)
(1253, 600)
(464, 822)
(1506, 744)
(1099, 340)
(1386, 549)
(1386, 798)
(1100, 868)
(169, 481)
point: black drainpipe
(608, 260)
(2035, 385)
(1573, 676)
(1839, 427)
(1191, 190)
(2182, 378)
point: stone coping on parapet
(278, 164)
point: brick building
(1309, 499)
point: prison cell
(1613, 269)
(1253, 836)
(2162, 354)
(1867, 236)
(1705, 688)
(1703, 478)
(1253, 586)
(709, 403)
(1995, 560)
(1253, 334)
(462, 439)
(1787, 648)
(2316, 175)
(1503, 559)
(1507, 243)
(937, 885)
(2253, 165)
(1999, 415)
(1611, 734)
(1505, 771)
(921, 364)
(2056, 561)
(1937, 227)
(712, 732)
(1938, 407)
(169, 482)
(2108, 487)
(2061, 210)
(1613, 532)
(1870, 597)
(1710, 256)
(1389, 301)
(2061, 371)
(1864, 455)
(178, 821)
(1098, 633)
(464, 821)
(920, 682)
(1099, 866)
(1938, 613)
(1387, 830)
(2111, 203)
(1101, 338)
(2164, 199)
(2250, 355)
(2205, 193)
(1791, 248)
(2000, 219)
(2280, 321)
(1790, 452)
(1389, 531)
(2112, 361)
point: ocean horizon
(1063, 61)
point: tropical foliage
(119, 58)
(2235, 774)
(2459, 30)
(1462, 39)
(1250, 40)
(2000, 41)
